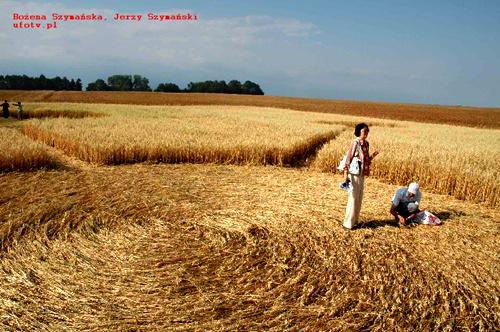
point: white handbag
(354, 168)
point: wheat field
(246, 235)
(225, 248)
(443, 114)
(128, 134)
(18, 153)
(458, 161)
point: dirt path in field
(308, 157)
(204, 247)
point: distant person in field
(20, 110)
(361, 149)
(405, 203)
(5, 109)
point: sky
(432, 52)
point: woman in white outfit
(361, 149)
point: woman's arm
(350, 154)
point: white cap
(413, 188)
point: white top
(401, 195)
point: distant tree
(78, 85)
(208, 87)
(18, 82)
(167, 87)
(24, 82)
(91, 87)
(49, 84)
(234, 86)
(251, 88)
(98, 85)
(140, 83)
(42, 82)
(120, 83)
(57, 83)
(191, 87)
(221, 87)
(14, 82)
(65, 84)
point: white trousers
(354, 201)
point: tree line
(139, 83)
(24, 82)
(124, 83)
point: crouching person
(405, 203)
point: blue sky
(433, 52)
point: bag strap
(358, 146)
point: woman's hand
(346, 177)
(374, 154)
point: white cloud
(232, 41)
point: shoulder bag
(354, 167)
